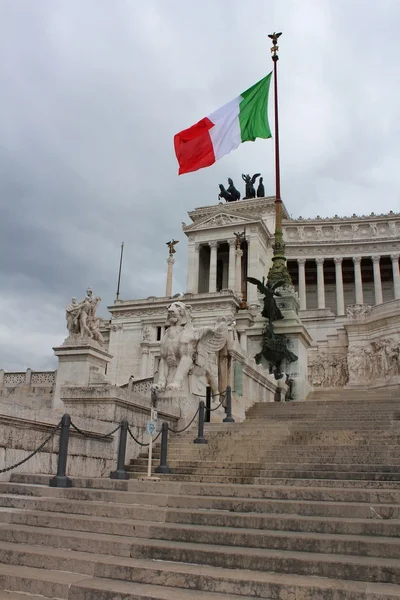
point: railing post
(200, 435)
(61, 480)
(120, 473)
(163, 466)
(208, 404)
(228, 408)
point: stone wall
(97, 409)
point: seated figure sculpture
(183, 348)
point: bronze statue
(274, 349)
(231, 194)
(171, 245)
(270, 311)
(261, 189)
(250, 181)
(240, 237)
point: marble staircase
(299, 502)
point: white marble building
(341, 268)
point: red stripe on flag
(193, 147)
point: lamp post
(278, 270)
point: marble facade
(340, 267)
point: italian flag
(241, 120)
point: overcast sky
(92, 93)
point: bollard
(163, 466)
(228, 407)
(200, 435)
(61, 480)
(207, 418)
(120, 473)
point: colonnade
(359, 296)
(235, 275)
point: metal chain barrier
(38, 449)
(95, 436)
(141, 443)
(220, 404)
(188, 425)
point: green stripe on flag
(253, 115)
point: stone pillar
(302, 283)
(339, 286)
(320, 282)
(77, 363)
(190, 267)
(252, 268)
(358, 280)
(144, 366)
(231, 275)
(212, 285)
(196, 267)
(238, 254)
(377, 280)
(396, 275)
(170, 274)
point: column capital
(197, 247)
(213, 244)
(239, 252)
(357, 260)
(301, 261)
(376, 259)
(319, 260)
(232, 243)
(338, 260)
(394, 257)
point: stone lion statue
(183, 348)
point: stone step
(103, 510)
(287, 539)
(199, 470)
(382, 570)
(126, 508)
(124, 514)
(234, 585)
(154, 493)
(374, 526)
(111, 573)
(333, 476)
(291, 479)
(37, 582)
(197, 478)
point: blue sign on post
(150, 428)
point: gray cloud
(92, 94)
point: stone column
(320, 282)
(339, 286)
(212, 286)
(239, 254)
(377, 280)
(190, 266)
(252, 268)
(302, 283)
(396, 275)
(358, 280)
(170, 274)
(231, 273)
(195, 270)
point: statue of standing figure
(81, 317)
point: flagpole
(278, 270)
(120, 269)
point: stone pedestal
(185, 402)
(81, 361)
(299, 342)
